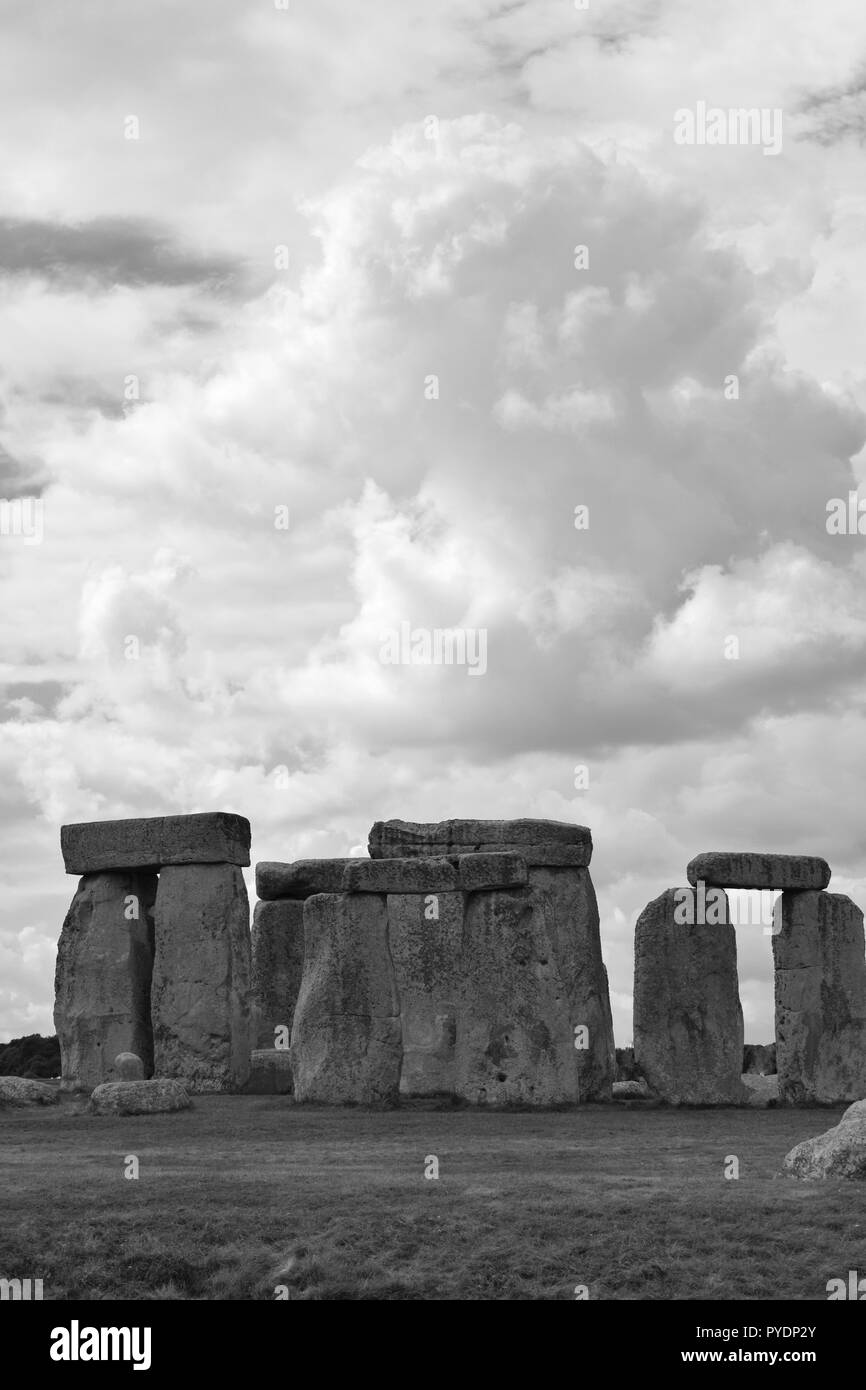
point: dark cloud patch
(44, 694)
(108, 251)
(19, 479)
(836, 113)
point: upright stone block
(103, 977)
(201, 994)
(578, 950)
(151, 842)
(426, 940)
(277, 967)
(688, 1023)
(534, 1022)
(820, 964)
(346, 1046)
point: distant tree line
(32, 1056)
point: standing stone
(103, 977)
(277, 967)
(201, 995)
(530, 988)
(426, 939)
(270, 1073)
(578, 950)
(688, 1023)
(128, 1067)
(346, 1045)
(820, 999)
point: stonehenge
(459, 959)
(154, 954)
(687, 1018)
(475, 969)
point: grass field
(242, 1194)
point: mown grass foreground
(241, 1196)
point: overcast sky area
(237, 243)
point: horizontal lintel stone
(500, 870)
(151, 842)
(801, 872)
(433, 875)
(542, 843)
(301, 879)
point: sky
(298, 345)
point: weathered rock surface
(534, 1023)
(768, 871)
(270, 1073)
(138, 1098)
(102, 980)
(539, 842)
(761, 1091)
(820, 962)
(346, 1045)
(201, 993)
(300, 879)
(148, 843)
(491, 870)
(426, 941)
(760, 1058)
(128, 1067)
(688, 1023)
(838, 1153)
(21, 1091)
(277, 966)
(399, 876)
(630, 1090)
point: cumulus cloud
(430, 411)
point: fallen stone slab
(767, 871)
(128, 1067)
(688, 1023)
(346, 1046)
(156, 1097)
(476, 872)
(102, 978)
(839, 1152)
(270, 1073)
(149, 843)
(21, 1091)
(277, 941)
(300, 879)
(540, 842)
(820, 987)
(399, 876)
(201, 997)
